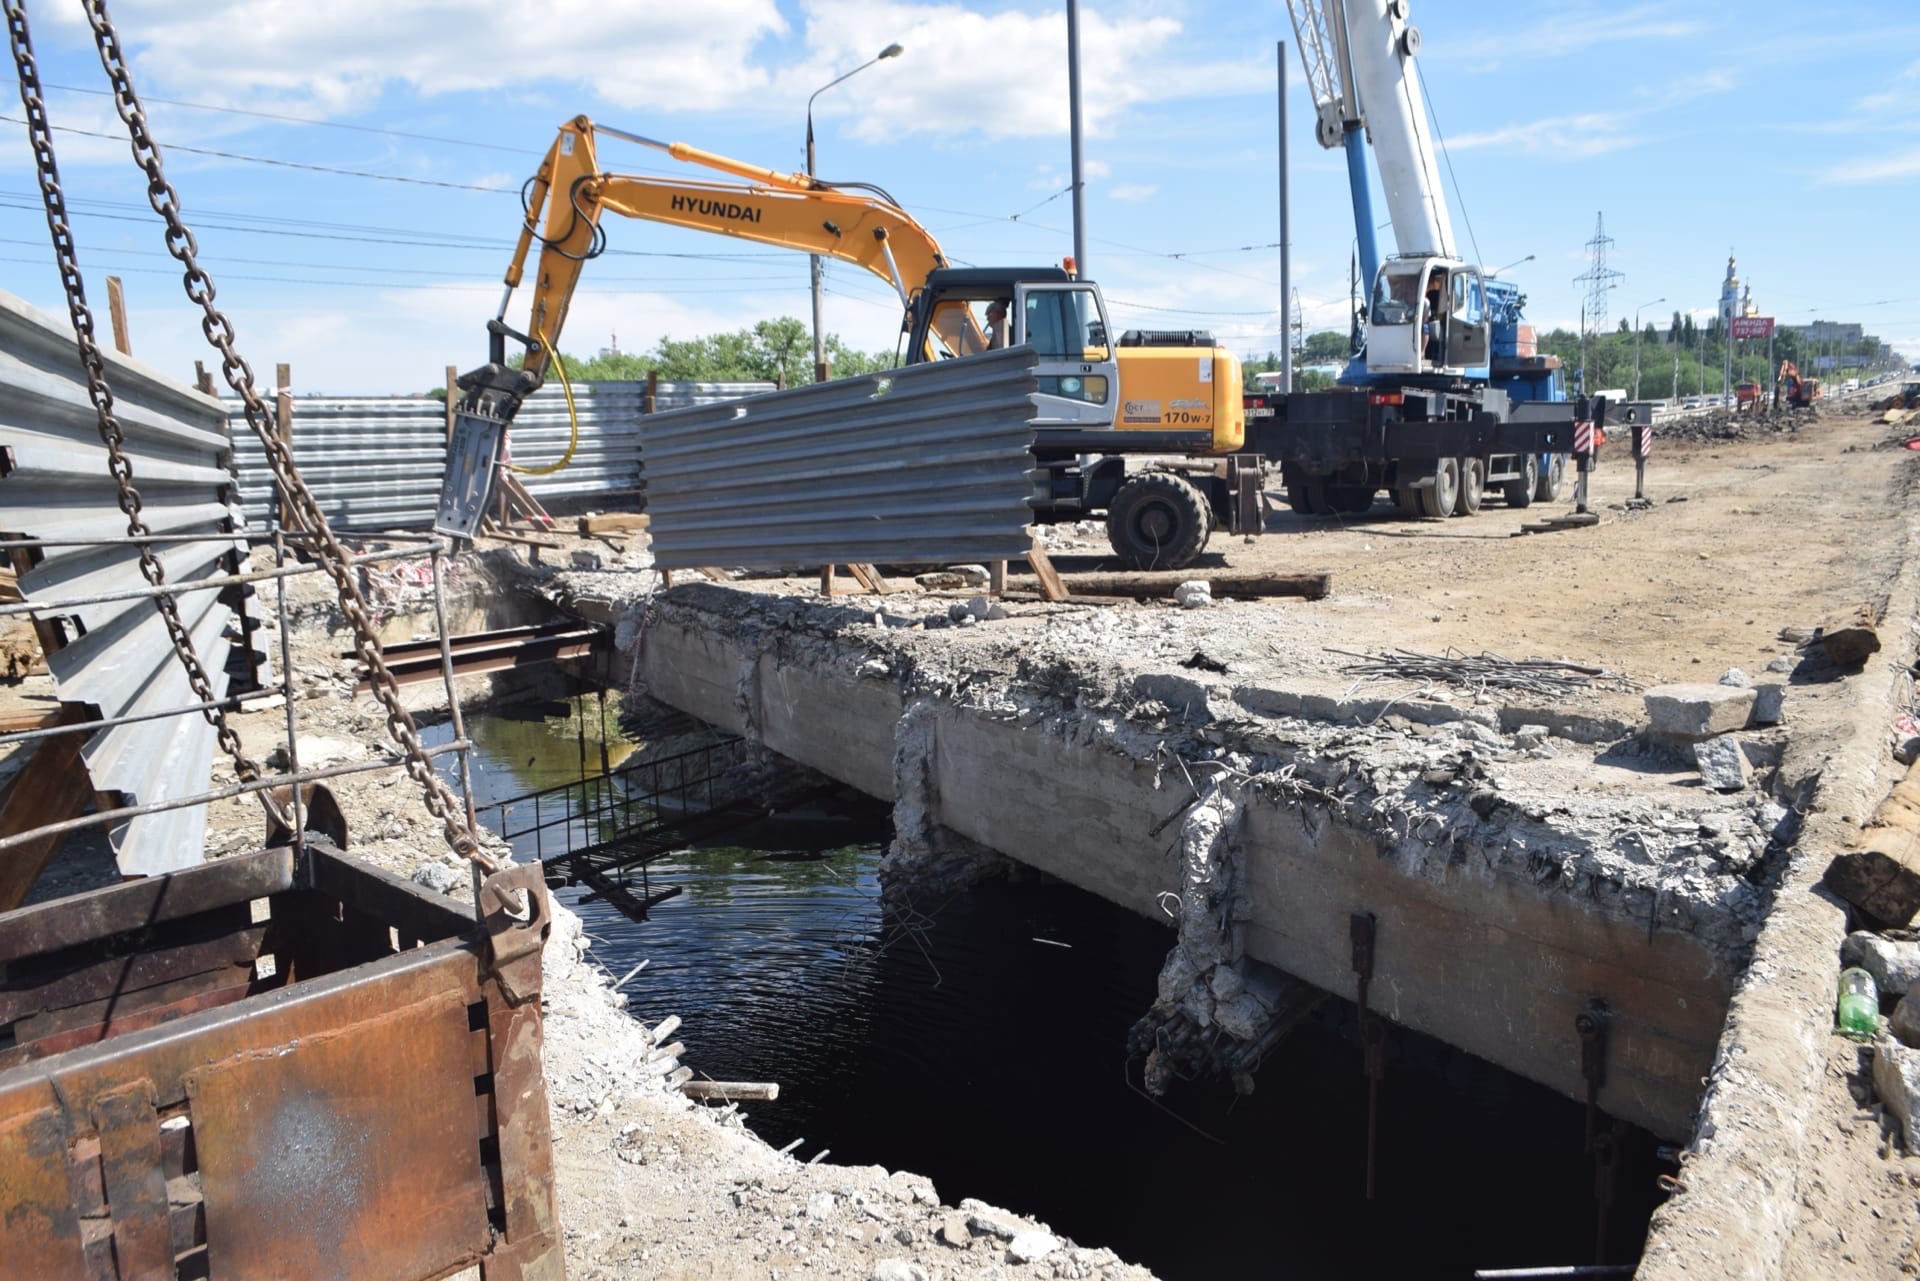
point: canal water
(980, 1039)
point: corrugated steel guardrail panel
(924, 464)
(375, 463)
(56, 485)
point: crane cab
(1429, 316)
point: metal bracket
(1361, 927)
(1606, 1176)
(1592, 1024)
(514, 909)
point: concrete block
(1693, 712)
(1896, 1079)
(1895, 965)
(1769, 703)
(1723, 766)
(1905, 1022)
(1031, 1247)
(1196, 594)
(1881, 878)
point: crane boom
(1359, 61)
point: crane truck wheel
(1551, 478)
(1519, 491)
(1352, 499)
(1158, 521)
(1438, 499)
(1407, 499)
(1473, 486)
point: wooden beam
(52, 639)
(117, 309)
(283, 428)
(613, 523)
(26, 718)
(453, 397)
(870, 578)
(1050, 585)
(1306, 586)
(52, 787)
(826, 580)
(202, 379)
(997, 577)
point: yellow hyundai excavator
(1099, 400)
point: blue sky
(1786, 133)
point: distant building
(1831, 331)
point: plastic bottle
(1858, 1015)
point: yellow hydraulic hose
(573, 416)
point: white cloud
(1888, 168)
(1572, 29)
(963, 74)
(1588, 134)
(1134, 193)
(338, 56)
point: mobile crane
(1446, 395)
(1099, 400)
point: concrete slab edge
(1742, 1167)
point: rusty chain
(182, 245)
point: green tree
(1327, 347)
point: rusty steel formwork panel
(276, 1067)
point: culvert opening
(979, 1037)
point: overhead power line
(283, 164)
(308, 120)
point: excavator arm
(570, 194)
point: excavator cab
(1063, 319)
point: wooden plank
(1313, 586)
(613, 523)
(52, 638)
(826, 580)
(997, 577)
(1050, 585)
(524, 500)
(27, 718)
(488, 529)
(453, 397)
(869, 577)
(52, 787)
(283, 428)
(202, 379)
(117, 309)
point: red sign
(1751, 327)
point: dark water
(980, 1042)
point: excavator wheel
(1158, 521)
(1473, 487)
(1439, 498)
(1551, 478)
(1519, 491)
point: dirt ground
(1749, 544)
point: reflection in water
(978, 1041)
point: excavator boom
(788, 210)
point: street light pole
(813, 260)
(1636, 344)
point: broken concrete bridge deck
(1516, 876)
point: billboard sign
(1751, 326)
